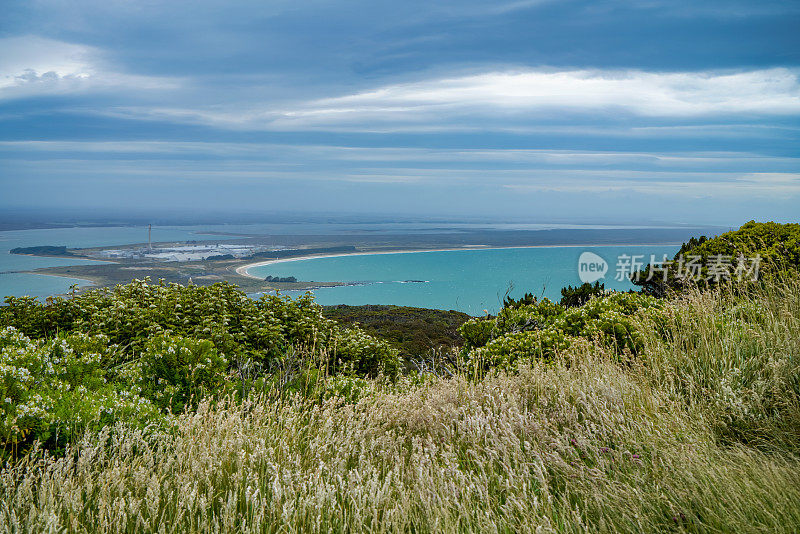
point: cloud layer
(649, 94)
(650, 109)
(514, 100)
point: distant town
(186, 252)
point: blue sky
(606, 111)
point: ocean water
(465, 280)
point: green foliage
(54, 390)
(415, 332)
(544, 329)
(580, 295)
(243, 330)
(178, 371)
(526, 299)
(42, 251)
(141, 349)
(358, 354)
(281, 279)
(476, 332)
(777, 246)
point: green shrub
(580, 295)
(415, 332)
(777, 247)
(177, 371)
(476, 332)
(55, 390)
(357, 354)
(139, 350)
(249, 334)
(543, 329)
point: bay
(472, 281)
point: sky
(623, 111)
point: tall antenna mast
(149, 242)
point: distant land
(42, 251)
(44, 218)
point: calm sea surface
(466, 280)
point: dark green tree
(572, 297)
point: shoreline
(89, 283)
(65, 257)
(242, 270)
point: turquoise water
(466, 280)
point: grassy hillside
(699, 433)
(156, 407)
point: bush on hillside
(544, 329)
(53, 390)
(756, 250)
(177, 372)
(416, 332)
(244, 331)
(580, 295)
(526, 299)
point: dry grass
(702, 436)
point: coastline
(59, 275)
(85, 282)
(99, 273)
(242, 270)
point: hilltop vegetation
(756, 250)
(159, 407)
(698, 433)
(528, 329)
(543, 330)
(417, 333)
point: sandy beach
(243, 269)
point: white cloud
(26, 57)
(734, 175)
(31, 66)
(461, 9)
(520, 94)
